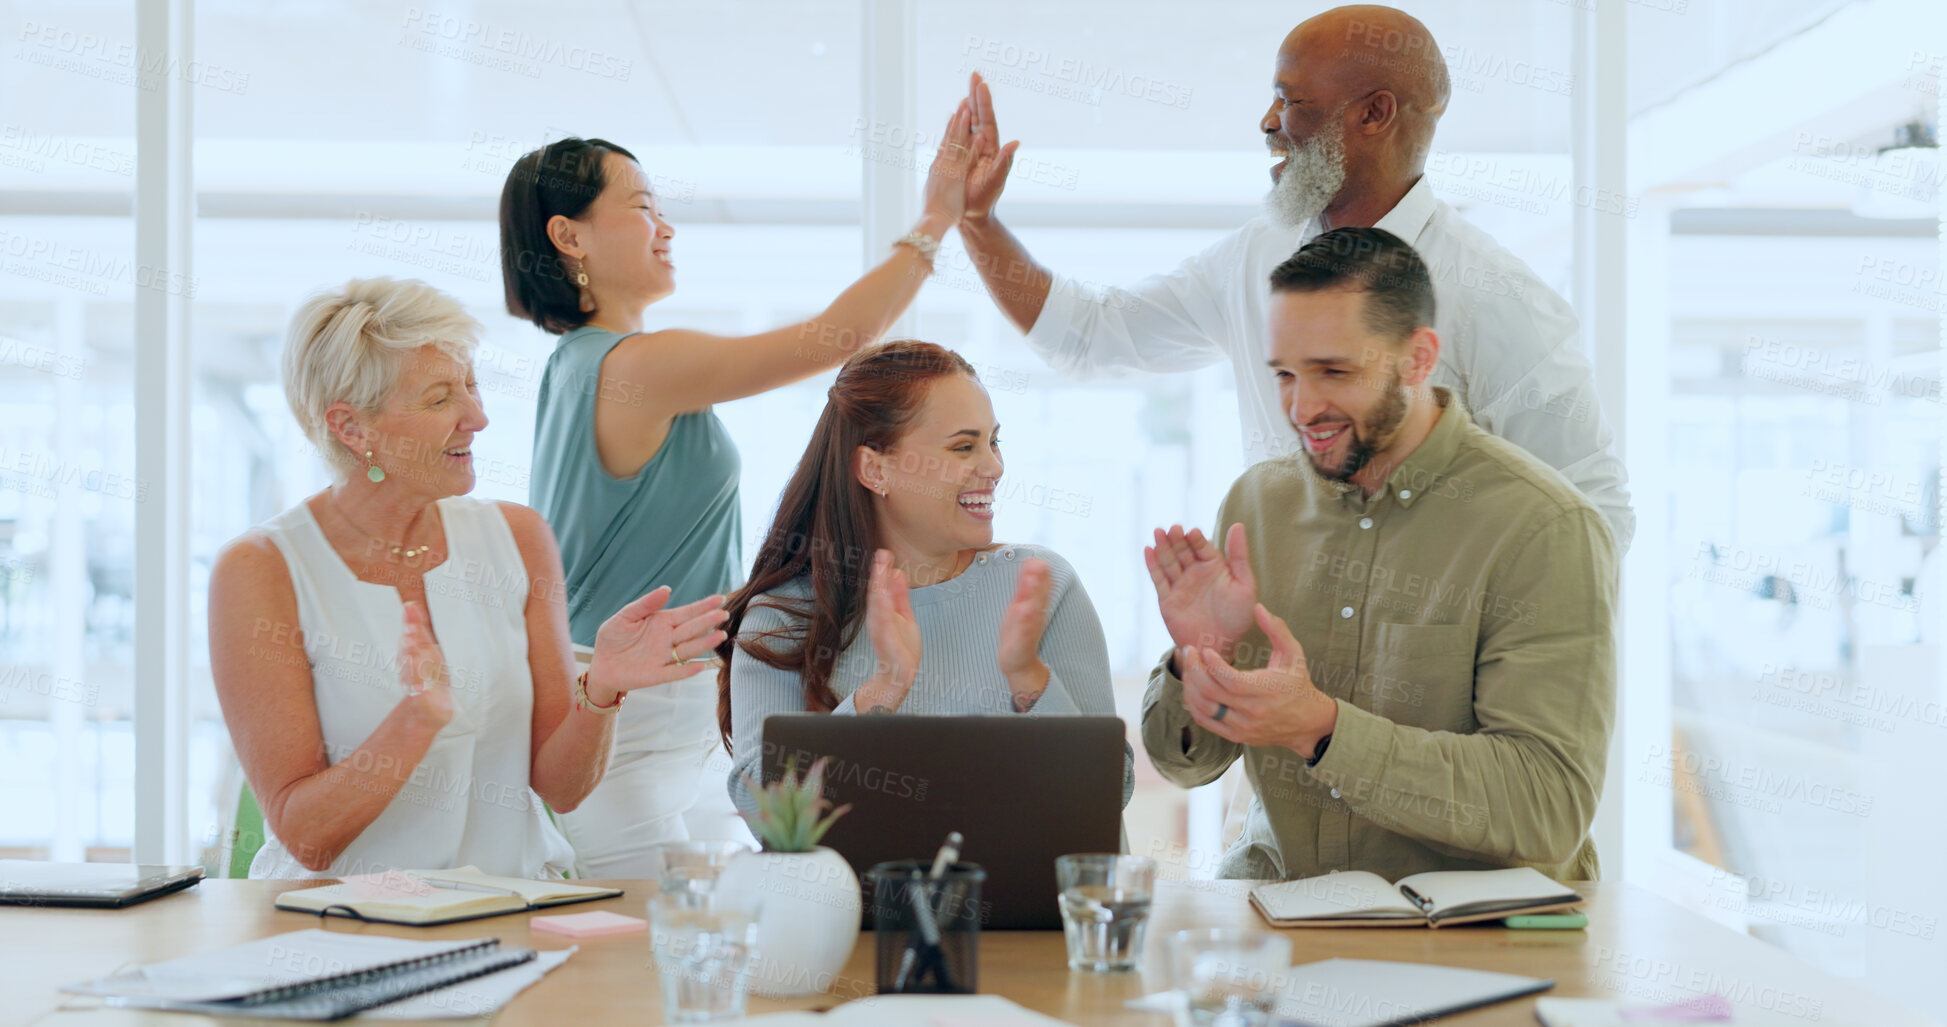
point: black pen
(917, 895)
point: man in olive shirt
(1443, 696)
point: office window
(69, 487)
(1801, 318)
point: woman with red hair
(880, 589)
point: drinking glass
(704, 943)
(692, 866)
(1105, 900)
(1227, 977)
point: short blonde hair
(349, 345)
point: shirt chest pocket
(1421, 675)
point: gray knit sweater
(959, 625)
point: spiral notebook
(303, 975)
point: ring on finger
(1218, 713)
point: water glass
(704, 943)
(1226, 977)
(1105, 900)
(692, 866)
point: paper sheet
(1371, 992)
(914, 1011)
(480, 996)
(1596, 1012)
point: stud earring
(373, 473)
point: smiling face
(622, 240)
(939, 477)
(423, 436)
(1346, 389)
(1304, 130)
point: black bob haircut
(1373, 261)
(563, 177)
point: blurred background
(1780, 365)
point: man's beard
(1367, 438)
(1312, 177)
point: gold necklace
(407, 552)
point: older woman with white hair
(392, 656)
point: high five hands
(947, 179)
(987, 174)
(1208, 600)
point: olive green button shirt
(1464, 620)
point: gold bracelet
(583, 701)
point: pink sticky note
(1703, 1008)
(589, 925)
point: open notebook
(422, 898)
(1355, 898)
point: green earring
(374, 473)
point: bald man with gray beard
(1356, 95)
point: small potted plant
(811, 906)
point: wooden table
(1637, 946)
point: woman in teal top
(634, 471)
(674, 521)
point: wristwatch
(582, 700)
(1318, 753)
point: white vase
(809, 921)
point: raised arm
(316, 802)
(1018, 284)
(678, 370)
(1173, 322)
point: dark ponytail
(563, 177)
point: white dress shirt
(1508, 343)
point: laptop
(26, 882)
(1020, 790)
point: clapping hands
(1275, 705)
(644, 644)
(1022, 624)
(1206, 597)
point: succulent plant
(788, 809)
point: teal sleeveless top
(675, 522)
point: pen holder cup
(928, 928)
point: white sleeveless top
(468, 801)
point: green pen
(1549, 921)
